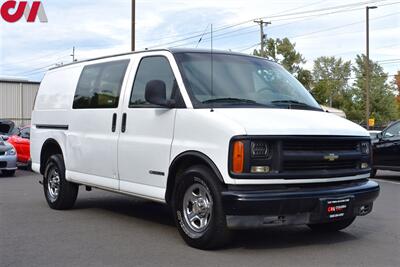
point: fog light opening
(364, 165)
(260, 169)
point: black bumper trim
(278, 202)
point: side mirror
(155, 93)
(379, 135)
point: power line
(273, 16)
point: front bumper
(294, 204)
(8, 163)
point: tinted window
(100, 85)
(152, 68)
(393, 131)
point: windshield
(241, 81)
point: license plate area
(336, 208)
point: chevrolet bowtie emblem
(331, 157)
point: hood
(4, 146)
(291, 122)
(6, 127)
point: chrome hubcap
(197, 207)
(53, 184)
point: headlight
(260, 150)
(11, 152)
(365, 147)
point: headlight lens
(11, 152)
(365, 147)
(260, 150)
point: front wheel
(198, 209)
(60, 194)
(332, 226)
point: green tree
(383, 106)
(330, 81)
(284, 52)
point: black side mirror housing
(379, 135)
(155, 93)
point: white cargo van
(228, 140)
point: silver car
(8, 158)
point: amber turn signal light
(238, 157)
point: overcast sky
(102, 27)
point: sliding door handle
(114, 123)
(123, 126)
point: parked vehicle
(21, 142)
(7, 127)
(374, 135)
(228, 140)
(8, 158)
(386, 149)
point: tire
(59, 193)
(373, 173)
(332, 226)
(8, 173)
(208, 230)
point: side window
(100, 85)
(152, 68)
(393, 131)
(25, 133)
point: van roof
(172, 50)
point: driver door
(147, 132)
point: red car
(21, 142)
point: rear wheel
(332, 226)
(60, 194)
(8, 173)
(198, 209)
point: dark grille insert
(319, 165)
(3, 164)
(2, 153)
(320, 145)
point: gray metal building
(16, 100)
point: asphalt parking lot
(106, 229)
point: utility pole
(262, 35)
(73, 54)
(367, 67)
(133, 24)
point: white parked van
(228, 140)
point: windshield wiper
(230, 100)
(295, 103)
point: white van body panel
(207, 132)
(292, 122)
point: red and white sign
(13, 11)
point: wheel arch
(185, 160)
(50, 147)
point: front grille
(321, 155)
(2, 153)
(320, 145)
(3, 164)
(319, 165)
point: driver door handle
(114, 123)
